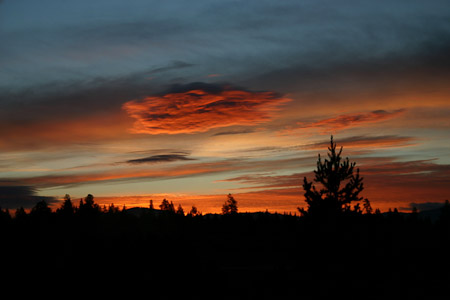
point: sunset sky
(192, 100)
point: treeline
(232, 255)
(88, 208)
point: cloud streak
(126, 174)
(233, 132)
(346, 121)
(160, 158)
(201, 109)
(269, 181)
(383, 141)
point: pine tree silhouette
(341, 186)
(230, 206)
(67, 209)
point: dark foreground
(154, 254)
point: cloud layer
(190, 110)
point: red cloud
(199, 110)
(351, 120)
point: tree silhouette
(20, 213)
(41, 209)
(230, 206)
(180, 210)
(194, 212)
(165, 205)
(88, 208)
(444, 217)
(89, 201)
(341, 186)
(112, 209)
(4, 215)
(66, 208)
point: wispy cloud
(192, 108)
(341, 122)
(414, 170)
(126, 174)
(140, 171)
(269, 181)
(382, 141)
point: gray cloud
(15, 196)
(426, 206)
(80, 98)
(160, 158)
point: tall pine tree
(340, 184)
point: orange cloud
(199, 110)
(349, 120)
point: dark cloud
(69, 112)
(160, 158)
(210, 88)
(65, 100)
(175, 65)
(73, 99)
(426, 205)
(16, 196)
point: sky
(191, 100)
